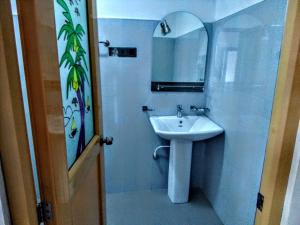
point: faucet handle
(179, 107)
(207, 109)
(194, 108)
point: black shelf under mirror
(177, 86)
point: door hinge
(260, 201)
(44, 211)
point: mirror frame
(164, 86)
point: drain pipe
(155, 156)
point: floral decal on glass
(73, 52)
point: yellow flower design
(75, 83)
(73, 125)
(75, 47)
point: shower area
(238, 58)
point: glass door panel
(75, 75)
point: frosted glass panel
(75, 74)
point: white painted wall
(291, 214)
(154, 9)
(14, 7)
(4, 211)
(207, 10)
(225, 8)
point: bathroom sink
(182, 132)
(193, 128)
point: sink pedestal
(180, 170)
(182, 132)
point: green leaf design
(69, 81)
(65, 29)
(70, 42)
(81, 56)
(73, 36)
(66, 13)
(79, 30)
(63, 5)
(82, 73)
(68, 17)
(67, 59)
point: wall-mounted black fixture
(146, 109)
(105, 43)
(122, 52)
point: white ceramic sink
(193, 128)
(182, 132)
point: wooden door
(14, 147)
(284, 123)
(59, 39)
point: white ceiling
(206, 10)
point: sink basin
(193, 128)
(182, 132)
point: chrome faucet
(200, 110)
(179, 111)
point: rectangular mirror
(179, 54)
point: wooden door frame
(284, 123)
(37, 28)
(58, 185)
(18, 176)
(14, 146)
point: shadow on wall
(214, 154)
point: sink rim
(185, 135)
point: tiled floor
(154, 208)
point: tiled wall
(242, 78)
(125, 88)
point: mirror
(179, 53)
